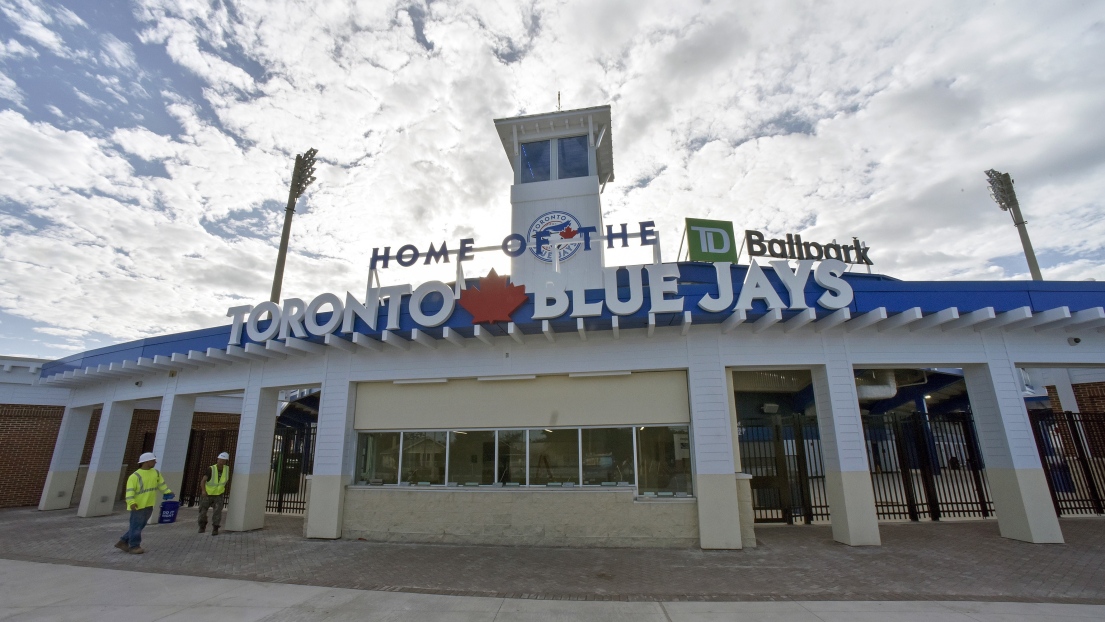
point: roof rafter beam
(836, 318)
(1008, 317)
(871, 318)
(395, 341)
(769, 319)
(334, 341)
(453, 337)
(934, 320)
(365, 342)
(897, 321)
(307, 347)
(805, 316)
(420, 337)
(971, 319)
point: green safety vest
(216, 485)
(143, 488)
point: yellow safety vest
(215, 485)
(143, 488)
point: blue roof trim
(696, 280)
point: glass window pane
(664, 460)
(472, 457)
(378, 458)
(571, 157)
(424, 457)
(607, 456)
(536, 161)
(553, 456)
(512, 457)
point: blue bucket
(168, 511)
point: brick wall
(1090, 397)
(28, 434)
(1091, 402)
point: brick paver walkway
(922, 561)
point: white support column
(712, 437)
(335, 449)
(102, 483)
(170, 445)
(57, 494)
(844, 450)
(253, 456)
(1019, 488)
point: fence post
(1075, 426)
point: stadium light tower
(302, 176)
(1001, 190)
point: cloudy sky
(146, 145)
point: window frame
(634, 486)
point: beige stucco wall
(577, 518)
(545, 401)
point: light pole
(302, 176)
(1001, 190)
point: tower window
(536, 161)
(571, 157)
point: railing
(1072, 453)
(782, 453)
(926, 466)
(292, 460)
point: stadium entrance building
(666, 404)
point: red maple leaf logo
(494, 300)
(568, 232)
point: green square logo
(711, 240)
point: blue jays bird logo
(555, 226)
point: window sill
(503, 489)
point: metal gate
(1072, 451)
(782, 453)
(204, 446)
(926, 466)
(292, 459)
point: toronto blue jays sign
(718, 290)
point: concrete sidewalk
(36, 591)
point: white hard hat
(224, 456)
(146, 457)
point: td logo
(711, 240)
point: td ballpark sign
(433, 303)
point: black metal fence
(1072, 450)
(292, 459)
(782, 452)
(926, 466)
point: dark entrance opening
(922, 448)
(293, 448)
(780, 446)
(204, 447)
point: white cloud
(10, 91)
(33, 21)
(833, 120)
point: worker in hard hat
(214, 485)
(145, 488)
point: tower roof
(547, 125)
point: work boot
(215, 531)
(122, 546)
(203, 528)
(137, 550)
